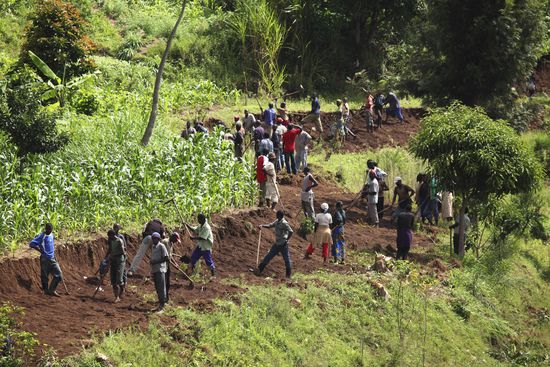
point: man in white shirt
(372, 197)
(301, 149)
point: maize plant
(105, 176)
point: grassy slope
(337, 320)
(472, 317)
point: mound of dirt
(67, 323)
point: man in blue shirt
(44, 243)
(394, 109)
(315, 115)
(270, 116)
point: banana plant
(58, 87)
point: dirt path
(68, 323)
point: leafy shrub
(130, 46)
(56, 34)
(85, 102)
(29, 126)
(525, 114)
(16, 346)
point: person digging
(44, 243)
(205, 239)
(159, 266)
(151, 227)
(283, 233)
(116, 253)
(338, 241)
(322, 235)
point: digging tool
(191, 283)
(101, 276)
(65, 286)
(284, 96)
(258, 252)
(63, 281)
(260, 105)
(173, 200)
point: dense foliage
(29, 126)
(16, 345)
(105, 176)
(56, 33)
(474, 155)
(475, 52)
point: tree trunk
(158, 81)
(461, 228)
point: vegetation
(476, 53)
(71, 153)
(474, 156)
(29, 126)
(56, 33)
(16, 345)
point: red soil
(67, 323)
(391, 134)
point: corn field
(105, 176)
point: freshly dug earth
(68, 323)
(391, 134)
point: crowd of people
(278, 144)
(274, 131)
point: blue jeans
(274, 251)
(290, 162)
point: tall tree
(475, 51)
(474, 156)
(158, 81)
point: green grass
(331, 319)
(351, 167)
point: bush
(16, 346)
(525, 114)
(56, 34)
(27, 123)
(130, 46)
(85, 102)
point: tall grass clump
(350, 168)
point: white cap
(324, 206)
(397, 179)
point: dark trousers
(279, 160)
(274, 251)
(160, 286)
(47, 267)
(290, 162)
(403, 252)
(206, 255)
(467, 244)
(380, 207)
(167, 282)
